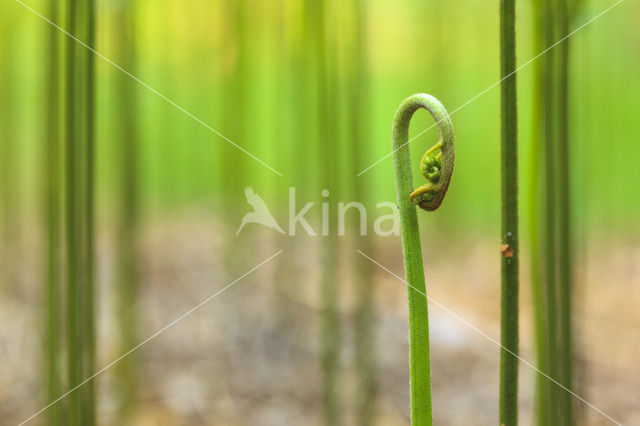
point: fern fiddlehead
(437, 167)
(437, 162)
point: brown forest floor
(251, 355)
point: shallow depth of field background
(251, 355)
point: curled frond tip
(437, 162)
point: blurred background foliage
(188, 52)
(289, 81)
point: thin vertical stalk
(328, 134)
(365, 285)
(128, 286)
(73, 320)
(509, 247)
(88, 209)
(330, 357)
(291, 127)
(550, 255)
(236, 100)
(9, 193)
(557, 238)
(300, 74)
(52, 200)
(291, 81)
(236, 92)
(428, 197)
(565, 260)
(79, 132)
(535, 213)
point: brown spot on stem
(506, 250)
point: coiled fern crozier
(437, 167)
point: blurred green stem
(128, 287)
(565, 260)
(88, 137)
(79, 133)
(324, 56)
(364, 318)
(74, 359)
(52, 190)
(554, 326)
(237, 97)
(550, 202)
(535, 204)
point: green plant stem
(88, 209)
(419, 363)
(550, 203)
(237, 96)
(9, 170)
(74, 366)
(364, 317)
(510, 251)
(79, 132)
(52, 188)
(535, 214)
(128, 286)
(324, 56)
(565, 260)
(290, 82)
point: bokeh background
(318, 334)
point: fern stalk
(509, 247)
(128, 286)
(364, 317)
(565, 259)
(79, 133)
(53, 208)
(554, 328)
(535, 213)
(324, 57)
(550, 202)
(437, 168)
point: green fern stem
(437, 168)
(509, 247)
